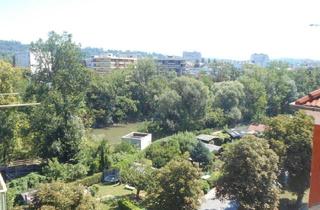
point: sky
(231, 29)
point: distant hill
(90, 51)
(9, 48)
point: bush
(66, 172)
(215, 176)
(205, 187)
(90, 180)
(127, 205)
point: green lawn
(114, 133)
(108, 194)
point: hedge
(127, 205)
(90, 180)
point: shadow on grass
(289, 204)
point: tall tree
(59, 83)
(250, 174)
(295, 132)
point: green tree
(139, 176)
(202, 155)
(61, 196)
(249, 174)
(178, 185)
(295, 133)
(255, 98)
(222, 71)
(228, 96)
(60, 82)
(161, 152)
(183, 107)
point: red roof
(257, 127)
(310, 100)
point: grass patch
(108, 194)
(114, 133)
(113, 190)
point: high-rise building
(260, 59)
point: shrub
(205, 187)
(90, 180)
(127, 205)
(66, 172)
(215, 176)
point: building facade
(140, 140)
(25, 60)
(172, 63)
(105, 64)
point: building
(206, 138)
(260, 59)
(256, 129)
(107, 63)
(311, 106)
(192, 56)
(208, 142)
(173, 63)
(25, 60)
(3, 194)
(140, 140)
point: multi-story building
(260, 59)
(108, 63)
(25, 60)
(3, 192)
(192, 56)
(176, 64)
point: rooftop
(257, 127)
(205, 137)
(136, 135)
(310, 101)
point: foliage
(66, 172)
(228, 97)
(61, 196)
(294, 135)
(59, 83)
(202, 155)
(127, 205)
(90, 180)
(249, 174)
(177, 184)
(183, 106)
(160, 153)
(139, 176)
(205, 187)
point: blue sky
(217, 28)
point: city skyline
(218, 29)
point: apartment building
(176, 64)
(107, 63)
